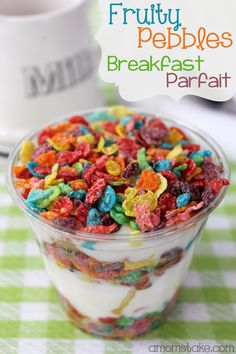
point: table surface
(33, 322)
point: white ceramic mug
(47, 63)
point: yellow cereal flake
(51, 178)
(120, 130)
(132, 199)
(97, 126)
(120, 111)
(175, 152)
(87, 138)
(125, 302)
(162, 187)
(140, 264)
(197, 171)
(100, 145)
(113, 168)
(57, 146)
(175, 136)
(26, 151)
(110, 150)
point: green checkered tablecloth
(33, 322)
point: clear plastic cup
(119, 285)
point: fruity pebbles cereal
(116, 168)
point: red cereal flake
(169, 175)
(44, 136)
(191, 167)
(143, 219)
(82, 213)
(157, 123)
(96, 191)
(166, 202)
(128, 147)
(83, 150)
(217, 183)
(21, 172)
(93, 156)
(110, 127)
(43, 170)
(26, 193)
(68, 157)
(100, 229)
(192, 147)
(107, 320)
(67, 173)
(62, 206)
(78, 120)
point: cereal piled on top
(115, 168)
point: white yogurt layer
(120, 250)
(99, 299)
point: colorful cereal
(117, 168)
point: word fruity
(197, 81)
(154, 14)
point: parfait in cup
(117, 200)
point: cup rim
(163, 233)
(44, 15)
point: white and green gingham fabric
(33, 322)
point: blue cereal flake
(80, 194)
(177, 173)
(124, 120)
(183, 200)
(94, 218)
(162, 165)
(138, 124)
(39, 199)
(39, 195)
(108, 200)
(34, 207)
(204, 153)
(98, 116)
(183, 142)
(166, 146)
(86, 165)
(31, 165)
(119, 199)
(84, 130)
(90, 245)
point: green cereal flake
(143, 161)
(79, 167)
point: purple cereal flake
(211, 171)
(152, 135)
(69, 222)
(107, 220)
(179, 187)
(207, 196)
(117, 266)
(42, 149)
(131, 170)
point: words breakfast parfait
(117, 200)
